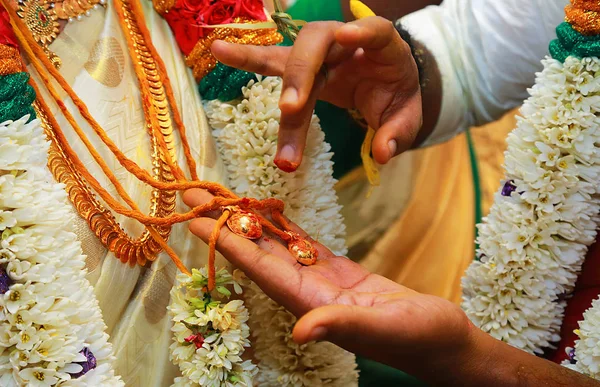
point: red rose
(253, 9)
(187, 17)
(193, 6)
(221, 12)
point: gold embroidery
(156, 293)
(106, 62)
(10, 60)
(163, 6)
(201, 59)
(76, 9)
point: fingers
(275, 275)
(264, 60)
(340, 324)
(300, 90)
(399, 129)
(293, 130)
(376, 35)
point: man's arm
(389, 9)
(490, 362)
(487, 57)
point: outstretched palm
(338, 299)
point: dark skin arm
(391, 10)
(339, 301)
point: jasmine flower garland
(210, 335)
(51, 328)
(534, 242)
(246, 134)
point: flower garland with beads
(246, 133)
(51, 328)
(544, 218)
(210, 334)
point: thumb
(345, 325)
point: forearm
(490, 362)
(431, 91)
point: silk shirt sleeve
(487, 51)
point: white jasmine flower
(210, 336)
(49, 315)
(534, 241)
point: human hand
(369, 67)
(340, 301)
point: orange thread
(212, 244)
(223, 197)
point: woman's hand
(369, 67)
(339, 301)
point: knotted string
(223, 197)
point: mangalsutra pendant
(301, 249)
(244, 224)
(41, 20)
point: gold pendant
(243, 223)
(41, 20)
(301, 249)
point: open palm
(338, 300)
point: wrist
(416, 51)
(430, 81)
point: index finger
(277, 277)
(377, 36)
(264, 60)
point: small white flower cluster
(282, 362)
(51, 327)
(246, 134)
(534, 242)
(210, 335)
(587, 348)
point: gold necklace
(100, 219)
(41, 18)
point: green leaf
(224, 291)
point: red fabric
(7, 36)
(587, 290)
(187, 17)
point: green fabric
(476, 186)
(16, 97)
(341, 131)
(224, 83)
(374, 374)
(572, 43)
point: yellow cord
(360, 10)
